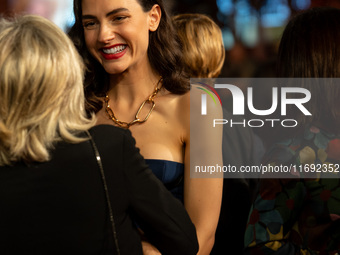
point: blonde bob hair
(202, 45)
(41, 89)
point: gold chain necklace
(124, 124)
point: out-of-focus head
(41, 89)
(202, 45)
(310, 45)
(309, 48)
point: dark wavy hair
(164, 54)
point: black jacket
(59, 206)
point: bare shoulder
(201, 96)
(175, 104)
(183, 109)
(184, 101)
(189, 104)
(175, 110)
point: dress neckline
(164, 160)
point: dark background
(251, 28)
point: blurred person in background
(300, 214)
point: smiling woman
(117, 29)
(135, 80)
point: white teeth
(114, 50)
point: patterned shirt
(300, 215)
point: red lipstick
(114, 52)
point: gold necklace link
(124, 124)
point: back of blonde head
(202, 45)
(41, 90)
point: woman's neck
(133, 87)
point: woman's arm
(202, 199)
(203, 191)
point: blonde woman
(67, 187)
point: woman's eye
(119, 18)
(89, 25)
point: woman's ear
(155, 15)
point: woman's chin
(115, 70)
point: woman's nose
(106, 34)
